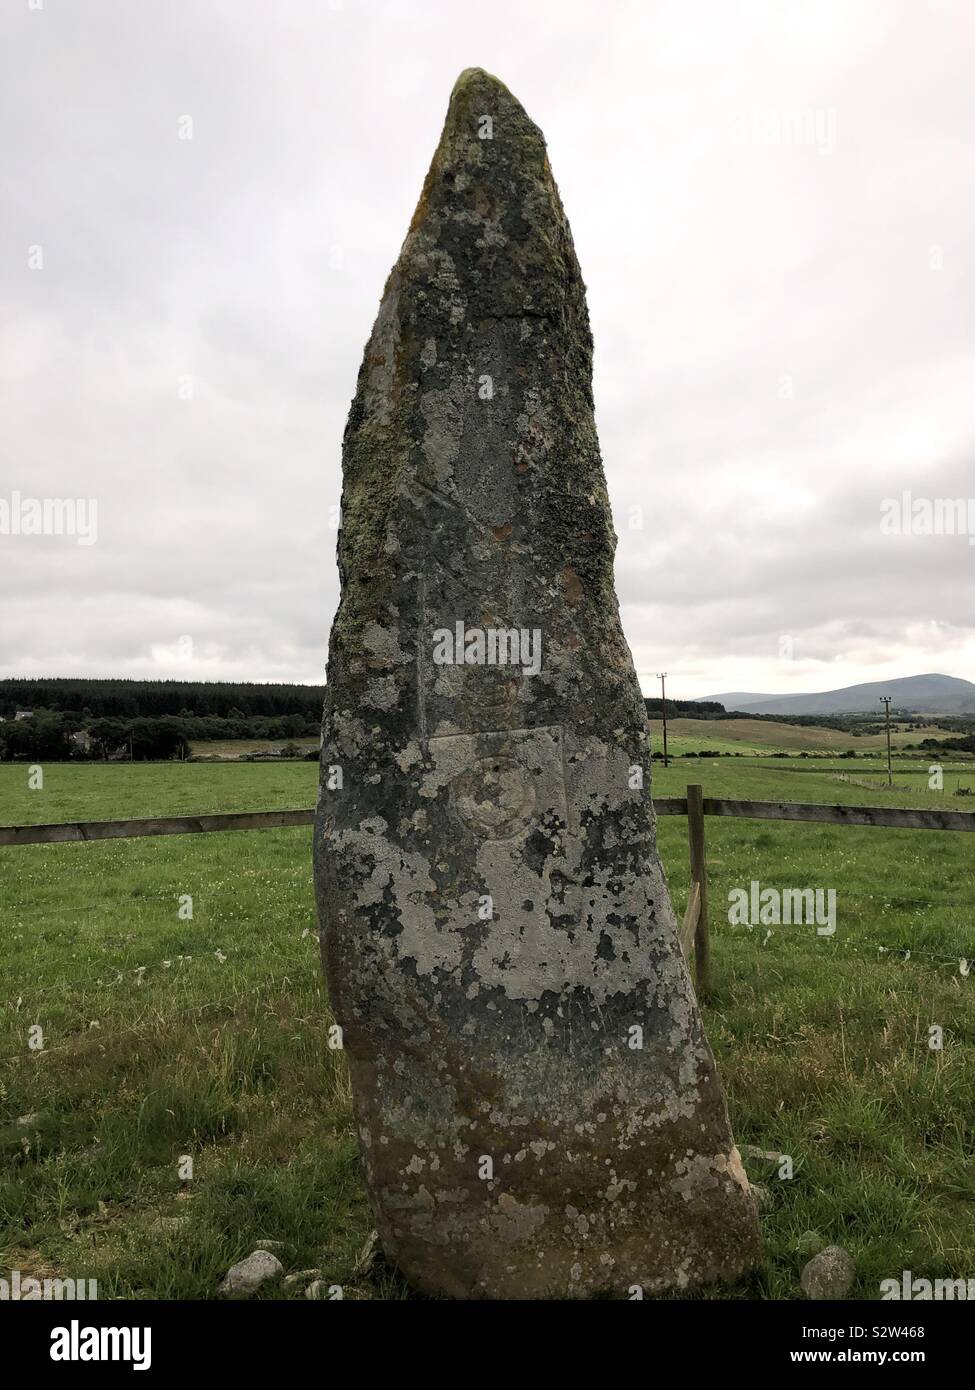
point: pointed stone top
(471, 76)
(476, 88)
(490, 204)
(482, 109)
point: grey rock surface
(829, 1274)
(537, 1106)
(248, 1275)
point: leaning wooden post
(699, 876)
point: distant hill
(737, 699)
(928, 694)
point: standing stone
(537, 1106)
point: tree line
(132, 699)
(53, 735)
(61, 718)
(686, 709)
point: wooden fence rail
(167, 825)
(889, 817)
(694, 930)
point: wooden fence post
(699, 876)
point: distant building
(82, 740)
(24, 714)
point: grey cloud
(783, 337)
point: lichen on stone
(496, 926)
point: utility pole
(662, 677)
(885, 701)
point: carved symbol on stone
(494, 798)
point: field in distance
(757, 736)
(230, 749)
(750, 737)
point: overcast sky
(774, 210)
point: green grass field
(166, 1036)
(751, 736)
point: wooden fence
(879, 816)
(694, 932)
(69, 831)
